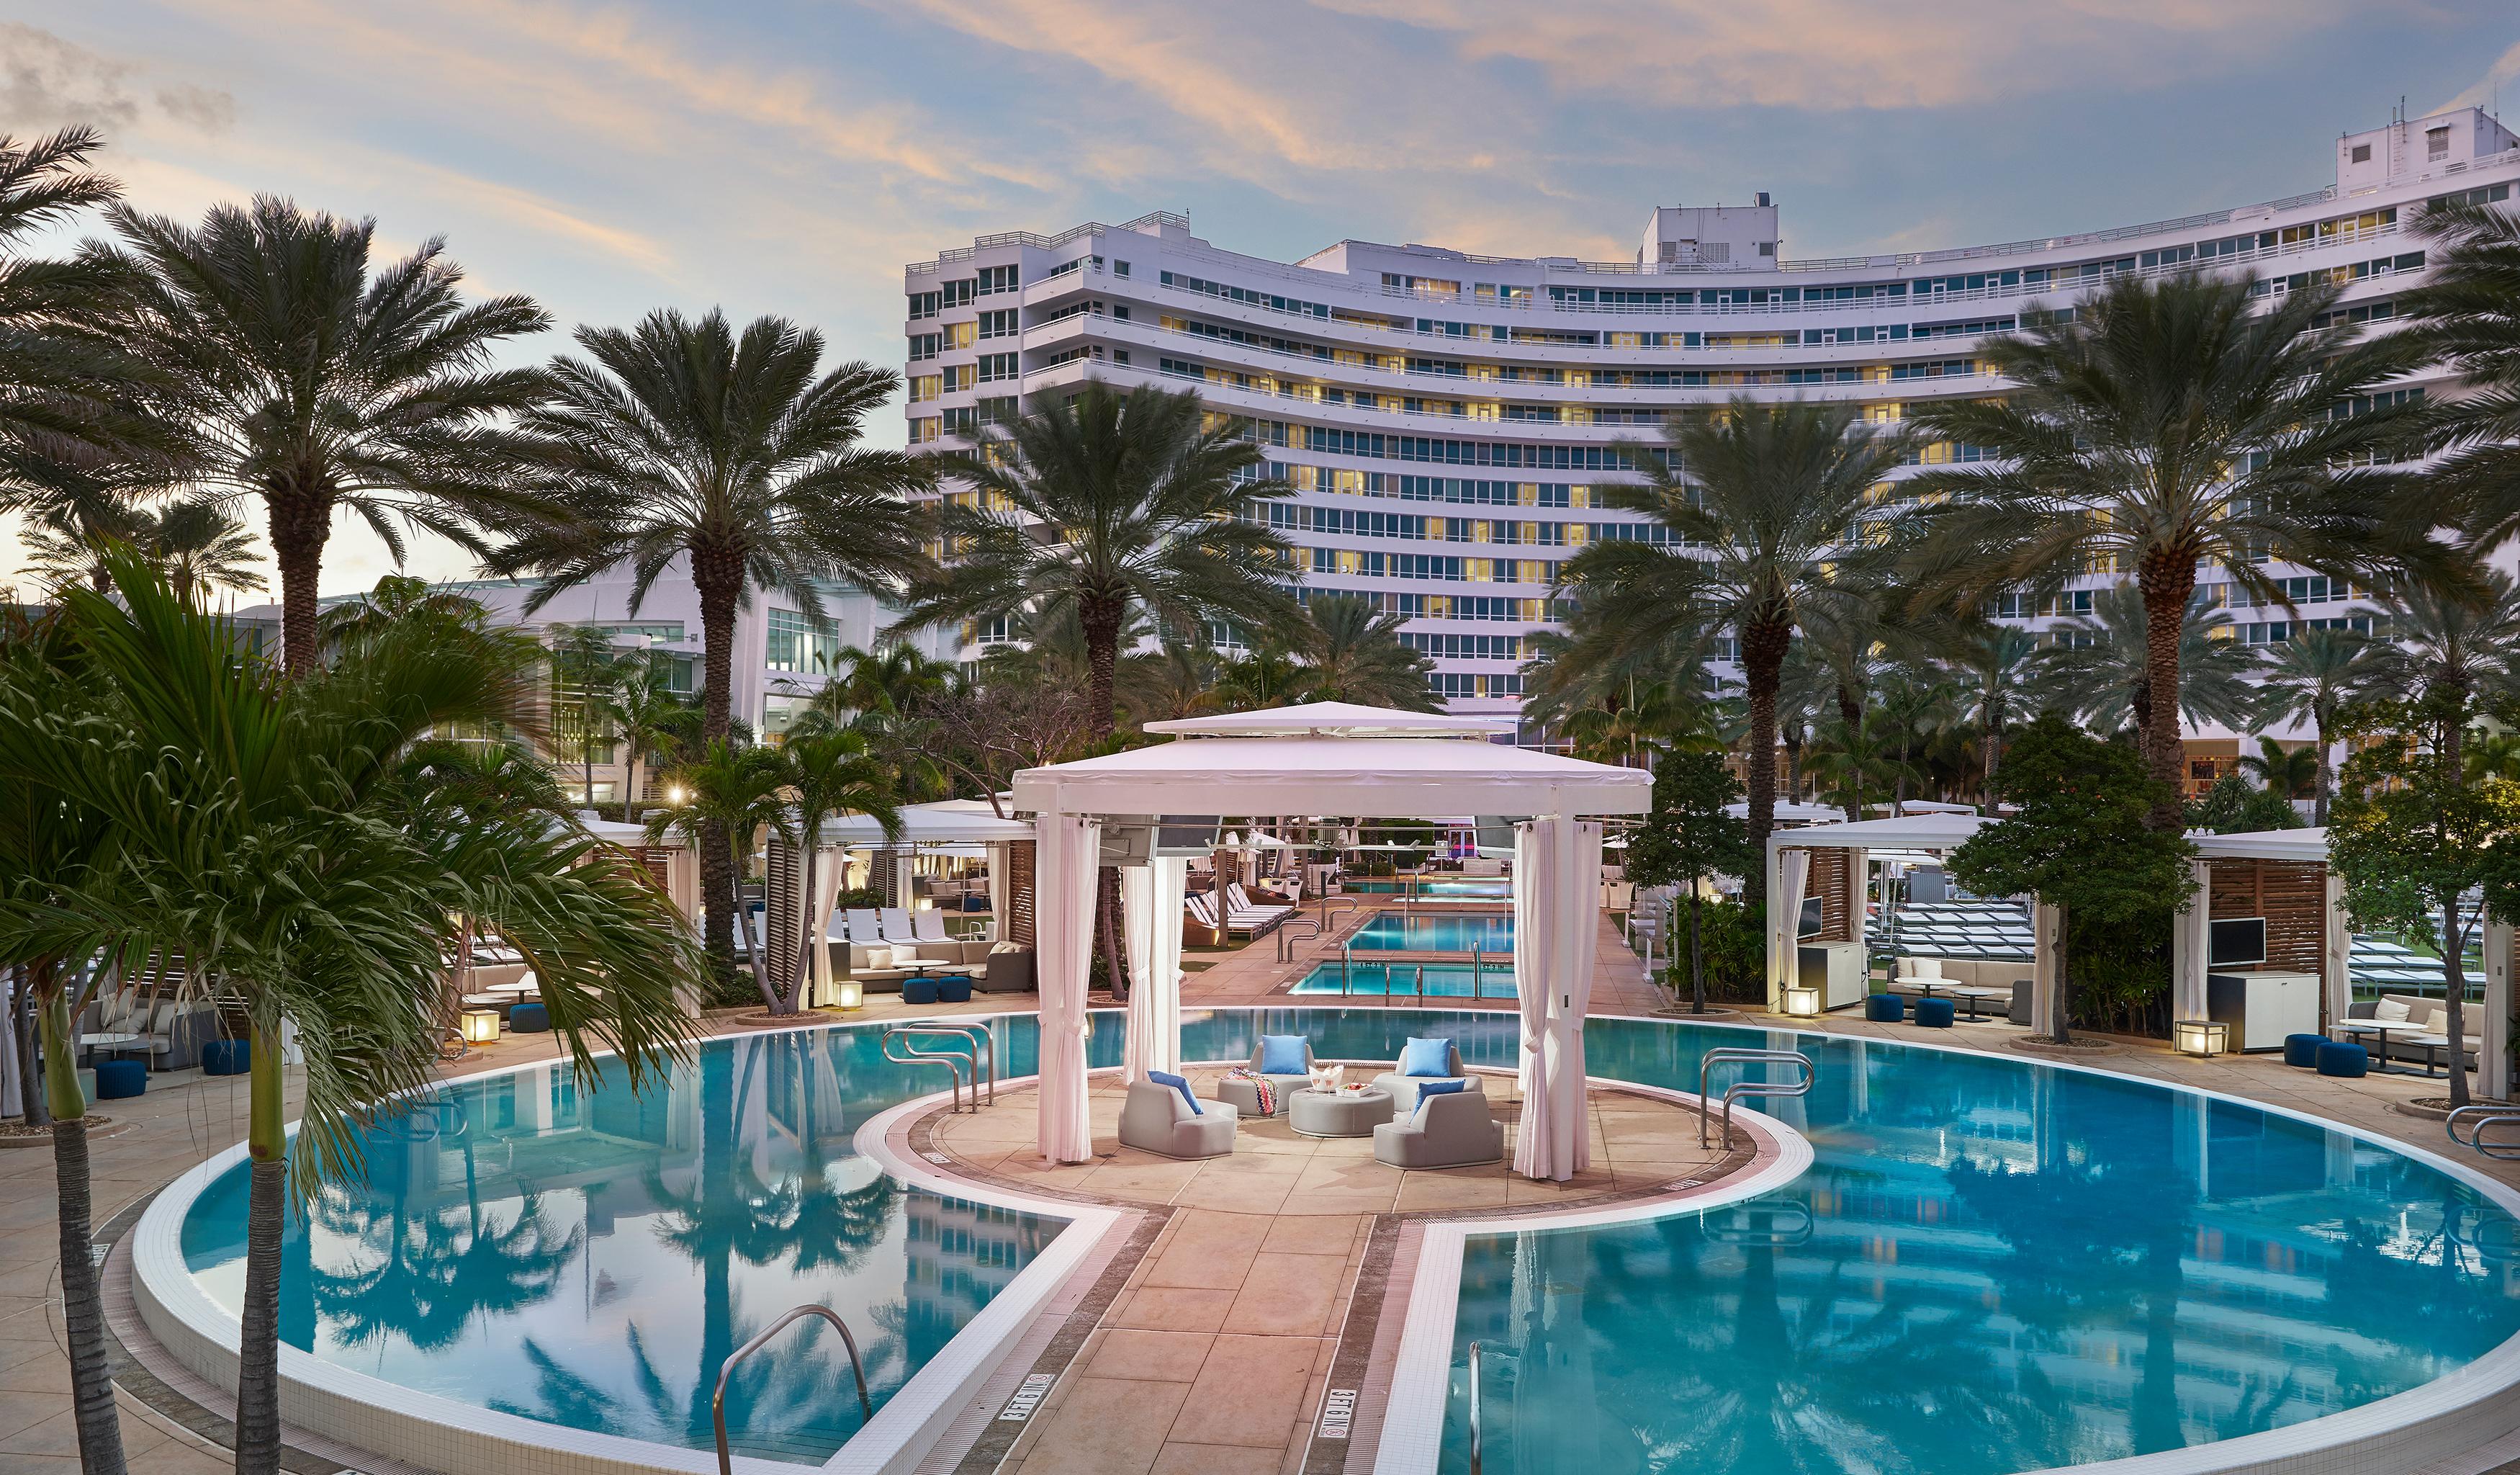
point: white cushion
(997, 948)
(2391, 1011)
(878, 957)
(1907, 967)
(1927, 968)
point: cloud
(47, 82)
(2483, 90)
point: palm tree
(198, 546)
(398, 598)
(1913, 706)
(719, 799)
(1107, 503)
(2468, 314)
(263, 829)
(650, 720)
(1999, 660)
(1771, 495)
(737, 456)
(1356, 654)
(2456, 651)
(2313, 677)
(60, 377)
(2102, 666)
(2292, 772)
(2162, 424)
(293, 370)
(586, 675)
(829, 773)
(1180, 678)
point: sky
(790, 157)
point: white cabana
(1792, 812)
(678, 861)
(1330, 759)
(1789, 860)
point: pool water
(1495, 980)
(1491, 932)
(1497, 888)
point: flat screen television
(2236, 941)
(1807, 924)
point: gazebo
(946, 825)
(1829, 861)
(1148, 809)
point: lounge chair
(1454, 1129)
(864, 925)
(1404, 1089)
(896, 926)
(1237, 901)
(929, 926)
(1160, 1119)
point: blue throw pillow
(1282, 1055)
(1166, 1077)
(1433, 1088)
(1426, 1057)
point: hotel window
(995, 367)
(926, 386)
(924, 304)
(962, 335)
(998, 411)
(1000, 323)
(2361, 153)
(955, 293)
(794, 645)
(924, 430)
(997, 279)
(925, 345)
(2436, 144)
(1119, 268)
(957, 376)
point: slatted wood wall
(1831, 881)
(2291, 895)
(1017, 926)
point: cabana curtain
(1151, 914)
(1067, 857)
(2190, 948)
(1557, 865)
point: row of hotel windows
(2315, 589)
(1343, 522)
(1579, 337)
(1315, 392)
(1365, 563)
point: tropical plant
(1915, 705)
(2161, 424)
(1268, 674)
(1105, 503)
(1999, 660)
(2285, 772)
(200, 547)
(1687, 838)
(263, 831)
(586, 675)
(1859, 760)
(737, 456)
(1763, 503)
(2079, 838)
(290, 368)
(1354, 653)
(652, 721)
(2314, 677)
(2234, 805)
(2455, 652)
(827, 774)
(720, 800)
(2102, 669)
(398, 599)
(2467, 313)
(1179, 678)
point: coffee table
(2389, 1030)
(112, 1042)
(1974, 995)
(1337, 1114)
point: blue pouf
(2345, 1060)
(2303, 1049)
(953, 991)
(1885, 1008)
(530, 1019)
(919, 990)
(119, 1079)
(227, 1057)
(1935, 1013)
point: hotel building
(1446, 418)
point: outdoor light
(1802, 1000)
(678, 795)
(2200, 1036)
(480, 1026)
(852, 993)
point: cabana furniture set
(1428, 1111)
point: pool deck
(1104, 1420)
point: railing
(1350, 903)
(1286, 939)
(726, 1369)
(984, 1047)
(1738, 1089)
(1476, 1451)
(956, 1061)
(2479, 1117)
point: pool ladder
(2477, 1118)
(1738, 1089)
(1418, 976)
(1475, 1441)
(963, 1063)
(1286, 939)
(726, 1369)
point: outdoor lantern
(852, 993)
(480, 1026)
(1802, 1000)
(2200, 1036)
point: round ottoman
(1337, 1114)
(1244, 1094)
(227, 1057)
(528, 1019)
(2336, 1058)
(1934, 1013)
(918, 991)
(1885, 1008)
(953, 991)
(2303, 1050)
(116, 1079)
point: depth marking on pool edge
(1028, 1396)
(1338, 1409)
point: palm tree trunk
(1697, 954)
(629, 780)
(1101, 620)
(1762, 660)
(300, 524)
(719, 581)
(26, 1027)
(257, 1417)
(2455, 998)
(2167, 580)
(100, 1427)
(2061, 1004)
(2326, 772)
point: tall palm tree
(2456, 651)
(2102, 669)
(829, 773)
(1107, 504)
(2313, 677)
(1997, 660)
(263, 829)
(2292, 772)
(737, 456)
(1771, 495)
(200, 547)
(294, 369)
(2468, 314)
(2162, 424)
(650, 720)
(1180, 678)
(586, 675)
(719, 799)
(1354, 653)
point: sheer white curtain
(2189, 935)
(1558, 867)
(1067, 853)
(830, 866)
(1151, 914)
(1001, 874)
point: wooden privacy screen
(2291, 895)
(1832, 881)
(1017, 925)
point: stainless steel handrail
(986, 1049)
(1474, 1409)
(2481, 1118)
(1347, 957)
(952, 1060)
(1712, 1058)
(1350, 903)
(726, 1369)
(1286, 953)
(1478, 965)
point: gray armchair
(1452, 1130)
(1248, 1100)
(1157, 1118)
(1404, 1089)
(1002, 968)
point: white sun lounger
(896, 926)
(929, 926)
(863, 925)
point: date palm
(2314, 677)
(1109, 503)
(1997, 661)
(2163, 423)
(719, 799)
(267, 831)
(294, 370)
(2455, 653)
(1354, 653)
(1181, 678)
(650, 720)
(2101, 668)
(738, 457)
(2292, 772)
(200, 547)
(2467, 313)
(828, 772)
(1770, 496)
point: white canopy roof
(1907, 832)
(952, 821)
(2309, 845)
(1380, 778)
(614, 832)
(1791, 811)
(1337, 720)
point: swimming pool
(1493, 888)
(1491, 932)
(1495, 980)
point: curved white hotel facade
(1446, 418)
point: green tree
(1859, 761)
(738, 457)
(1105, 503)
(200, 547)
(2455, 651)
(2079, 840)
(652, 721)
(2101, 668)
(1689, 839)
(263, 829)
(586, 675)
(2467, 314)
(2314, 677)
(1180, 678)
(2411, 837)
(2286, 772)
(291, 369)
(2234, 805)
(829, 773)
(2000, 661)
(1354, 653)
(1761, 504)
(2162, 424)
(719, 799)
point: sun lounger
(929, 925)
(896, 926)
(864, 925)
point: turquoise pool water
(1495, 887)
(1992, 1267)
(1439, 981)
(1491, 932)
